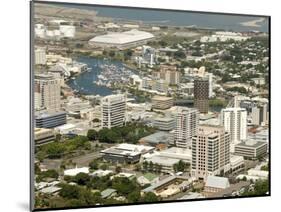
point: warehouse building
(122, 40)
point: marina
(100, 77)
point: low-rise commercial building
(160, 140)
(43, 136)
(183, 154)
(166, 164)
(162, 102)
(251, 149)
(50, 120)
(236, 163)
(216, 184)
(168, 186)
(164, 123)
(125, 153)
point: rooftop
(75, 171)
(128, 149)
(175, 152)
(251, 143)
(162, 182)
(217, 182)
(162, 98)
(165, 161)
(158, 137)
(107, 192)
(123, 37)
(50, 190)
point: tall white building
(40, 57)
(187, 120)
(234, 121)
(210, 152)
(113, 108)
(47, 93)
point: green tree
(150, 197)
(179, 54)
(123, 185)
(92, 134)
(134, 197)
(51, 173)
(118, 169)
(94, 164)
(82, 178)
(104, 166)
(69, 191)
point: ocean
(181, 18)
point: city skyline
(134, 109)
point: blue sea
(179, 18)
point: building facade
(164, 123)
(251, 149)
(43, 136)
(201, 95)
(210, 152)
(169, 73)
(113, 110)
(50, 120)
(47, 93)
(162, 102)
(40, 57)
(234, 121)
(187, 120)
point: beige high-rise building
(113, 110)
(187, 120)
(168, 73)
(47, 91)
(210, 152)
(40, 57)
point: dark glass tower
(201, 95)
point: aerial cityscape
(144, 106)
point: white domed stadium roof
(123, 37)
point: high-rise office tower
(170, 74)
(113, 109)
(256, 119)
(210, 152)
(201, 95)
(47, 91)
(234, 121)
(187, 120)
(40, 57)
(260, 115)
